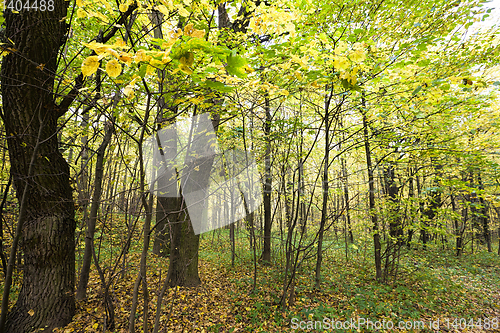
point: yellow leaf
(100, 15)
(187, 59)
(163, 10)
(80, 13)
(185, 69)
(188, 29)
(113, 68)
(168, 3)
(79, 3)
(141, 56)
(31, 312)
(95, 326)
(99, 48)
(341, 63)
(166, 59)
(128, 91)
(90, 65)
(120, 43)
(198, 33)
(123, 7)
(357, 56)
(183, 11)
(155, 62)
(340, 47)
(126, 58)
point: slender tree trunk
(81, 291)
(324, 205)
(411, 195)
(47, 238)
(345, 179)
(484, 216)
(395, 227)
(2, 205)
(266, 253)
(371, 198)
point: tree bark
(46, 299)
(81, 291)
(371, 198)
(484, 216)
(266, 252)
(324, 206)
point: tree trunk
(46, 299)
(266, 252)
(371, 198)
(324, 206)
(484, 216)
(184, 243)
(81, 291)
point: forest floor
(430, 285)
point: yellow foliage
(123, 7)
(141, 56)
(168, 4)
(182, 11)
(113, 68)
(357, 56)
(101, 16)
(99, 48)
(164, 10)
(188, 29)
(187, 59)
(129, 91)
(341, 63)
(90, 65)
(80, 13)
(126, 58)
(340, 47)
(185, 69)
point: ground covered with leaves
(431, 285)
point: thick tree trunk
(183, 268)
(46, 298)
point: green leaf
(142, 70)
(416, 91)
(219, 86)
(235, 65)
(424, 62)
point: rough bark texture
(47, 239)
(183, 268)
